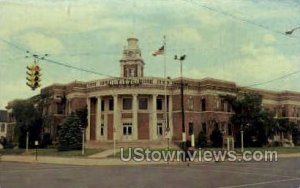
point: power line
(53, 61)
(238, 18)
(275, 79)
(76, 68)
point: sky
(235, 40)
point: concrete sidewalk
(103, 154)
(74, 160)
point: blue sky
(234, 40)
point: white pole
(27, 140)
(193, 140)
(82, 149)
(114, 134)
(227, 143)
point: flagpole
(167, 129)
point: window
(60, 108)
(191, 103)
(111, 104)
(191, 128)
(159, 105)
(229, 129)
(143, 103)
(132, 72)
(127, 104)
(204, 128)
(159, 129)
(228, 107)
(127, 128)
(102, 105)
(203, 104)
(222, 105)
(3, 127)
(102, 129)
(284, 114)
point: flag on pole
(160, 51)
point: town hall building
(135, 107)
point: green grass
(50, 152)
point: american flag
(160, 51)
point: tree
(70, 135)
(216, 138)
(250, 117)
(27, 120)
(296, 133)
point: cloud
(269, 39)
(41, 42)
(258, 64)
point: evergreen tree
(70, 135)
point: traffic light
(33, 76)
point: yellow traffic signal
(33, 76)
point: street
(284, 173)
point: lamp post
(180, 59)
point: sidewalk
(103, 154)
(74, 160)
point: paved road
(284, 173)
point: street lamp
(180, 59)
(292, 30)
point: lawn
(50, 152)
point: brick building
(133, 107)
